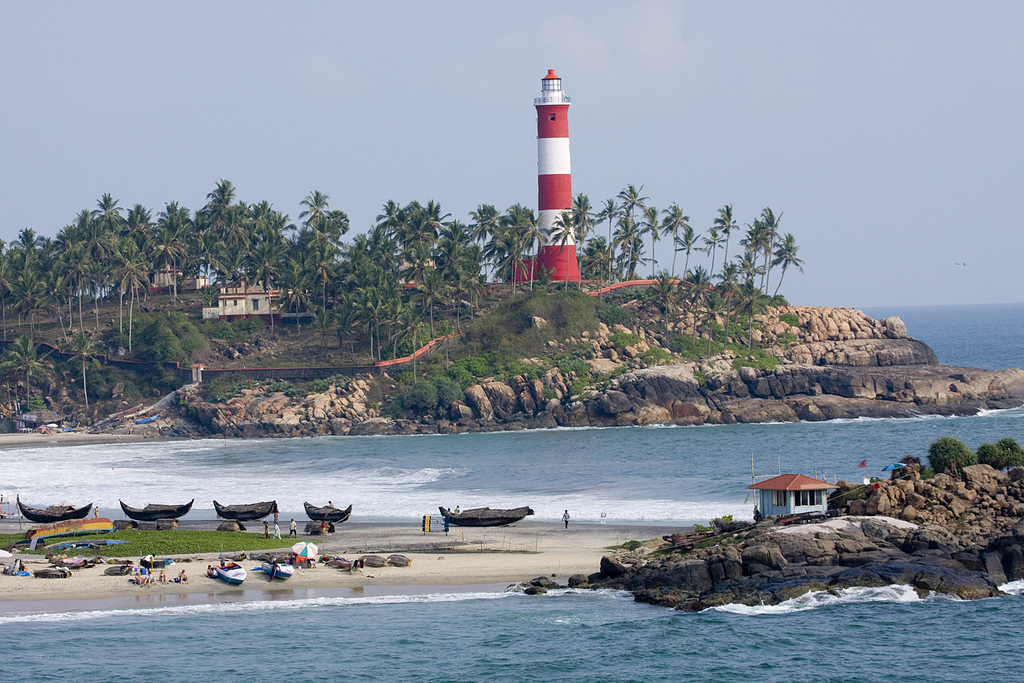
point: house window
(551, 117)
(255, 304)
(779, 499)
(809, 497)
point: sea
(671, 476)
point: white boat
(229, 573)
(276, 570)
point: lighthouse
(554, 180)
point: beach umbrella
(305, 549)
(894, 466)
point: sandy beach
(466, 556)
(30, 439)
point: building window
(779, 499)
(551, 117)
(809, 497)
(255, 304)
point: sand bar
(467, 556)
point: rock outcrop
(966, 538)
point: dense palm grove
(416, 273)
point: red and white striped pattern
(554, 176)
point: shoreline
(468, 557)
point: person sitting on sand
(181, 577)
(163, 577)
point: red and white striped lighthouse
(554, 179)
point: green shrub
(576, 366)
(548, 393)
(1005, 453)
(610, 314)
(421, 397)
(621, 340)
(791, 319)
(701, 378)
(760, 361)
(786, 338)
(950, 455)
(656, 355)
(448, 390)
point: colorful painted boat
(231, 573)
(71, 526)
(276, 570)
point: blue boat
(231, 573)
(147, 419)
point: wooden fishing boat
(276, 570)
(328, 513)
(52, 573)
(231, 573)
(244, 513)
(486, 516)
(54, 513)
(118, 570)
(71, 526)
(153, 512)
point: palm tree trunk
(85, 386)
(781, 278)
(131, 309)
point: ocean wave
(1013, 588)
(818, 599)
(275, 605)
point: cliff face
(834, 363)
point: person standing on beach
(266, 529)
(277, 530)
(293, 529)
(565, 518)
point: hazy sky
(890, 135)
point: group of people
(141, 576)
(293, 529)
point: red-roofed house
(789, 494)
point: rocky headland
(832, 363)
(959, 535)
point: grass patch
(791, 319)
(161, 543)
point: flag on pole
(863, 464)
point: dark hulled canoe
(54, 513)
(244, 513)
(153, 512)
(486, 516)
(328, 514)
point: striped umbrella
(305, 549)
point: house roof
(792, 482)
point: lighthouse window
(551, 117)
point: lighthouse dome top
(551, 90)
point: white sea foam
(252, 606)
(817, 599)
(1013, 588)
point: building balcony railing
(556, 99)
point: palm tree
(610, 212)
(323, 319)
(771, 226)
(757, 240)
(785, 256)
(596, 258)
(677, 222)
(726, 288)
(629, 243)
(22, 356)
(265, 266)
(295, 281)
(30, 291)
(652, 226)
(432, 290)
(698, 284)
(752, 301)
(563, 232)
(631, 201)
(725, 225)
(84, 349)
(484, 221)
(6, 282)
(711, 243)
(132, 272)
(582, 217)
(665, 291)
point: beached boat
(276, 570)
(70, 526)
(52, 573)
(486, 516)
(153, 512)
(150, 562)
(328, 513)
(229, 573)
(244, 513)
(54, 513)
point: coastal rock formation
(966, 538)
(833, 363)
